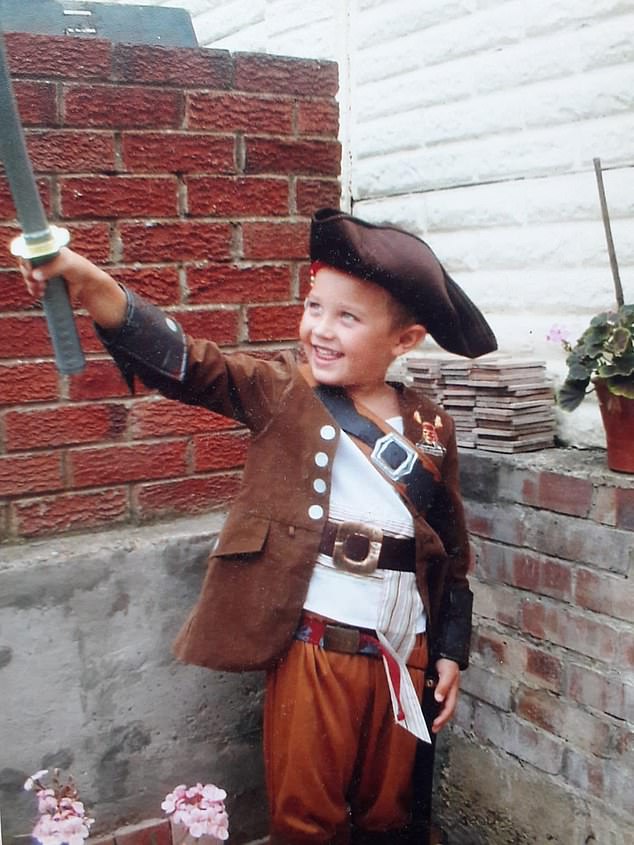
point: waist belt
(318, 631)
(363, 548)
(334, 636)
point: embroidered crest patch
(429, 441)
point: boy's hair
(402, 316)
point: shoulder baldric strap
(392, 454)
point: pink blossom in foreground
(64, 826)
(201, 809)
(62, 817)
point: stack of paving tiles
(498, 404)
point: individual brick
(25, 383)
(187, 496)
(625, 509)
(275, 241)
(163, 418)
(545, 667)
(113, 465)
(574, 630)
(58, 56)
(218, 196)
(7, 206)
(239, 113)
(182, 67)
(542, 575)
(99, 380)
(604, 593)
(29, 474)
(312, 158)
(280, 75)
(318, 117)
(119, 107)
(225, 283)
(13, 293)
(92, 240)
(277, 322)
(37, 102)
(24, 337)
(70, 512)
(118, 196)
(63, 425)
(63, 151)
(603, 691)
(221, 450)
(177, 152)
(151, 242)
(520, 739)
(221, 326)
(563, 719)
(159, 284)
(312, 194)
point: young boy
(341, 568)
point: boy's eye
(349, 317)
(312, 306)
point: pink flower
(62, 817)
(200, 809)
(558, 334)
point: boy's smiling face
(349, 331)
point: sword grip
(69, 357)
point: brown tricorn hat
(406, 267)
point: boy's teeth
(326, 353)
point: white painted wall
(474, 123)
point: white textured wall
(475, 122)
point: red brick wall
(550, 690)
(190, 175)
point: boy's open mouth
(326, 354)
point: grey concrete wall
(88, 681)
(541, 749)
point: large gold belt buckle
(369, 563)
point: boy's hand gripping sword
(39, 242)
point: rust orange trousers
(334, 756)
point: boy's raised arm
(92, 287)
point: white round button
(327, 432)
(321, 459)
(315, 511)
(319, 485)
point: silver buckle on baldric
(369, 563)
(407, 463)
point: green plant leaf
(572, 393)
(619, 340)
(621, 387)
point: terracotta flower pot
(617, 413)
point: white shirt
(359, 493)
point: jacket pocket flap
(245, 536)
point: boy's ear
(410, 337)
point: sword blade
(40, 243)
(17, 164)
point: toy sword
(39, 241)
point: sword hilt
(39, 249)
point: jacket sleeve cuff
(454, 641)
(148, 342)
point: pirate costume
(342, 564)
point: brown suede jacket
(258, 574)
